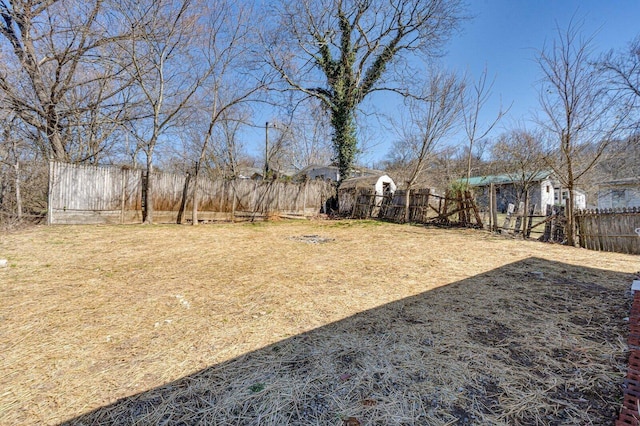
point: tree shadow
(533, 342)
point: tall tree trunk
(570, 228)
(55, 140)
(17, 185)
(407, 203)
(183, 202)
(469, 164)
(525, 213)
(571, 231)
(196, 194)
(147, 214)
(16, 167)
(344, 140)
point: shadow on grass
(533, 342)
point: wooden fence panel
(77, 192)
(609, 230)
(246, 196)
(86, 187)
(110, 194)
(425, 206)
(167, 191)
(132, 189)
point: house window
(548, 189)
(618, 198)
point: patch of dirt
(312, 239)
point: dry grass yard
(308, 323)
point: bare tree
(623, 75)
(279, 145)
(306, 135)
(22, 172)
(520, 154)
(312, 137)
(57, 67)
(433, 116)
(473, 102)
(620, 160)
(10, 169)
(579, 115)
(231, 84)
(230, 149)
(339, 52)
(165, 70)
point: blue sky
(504, 36)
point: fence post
(580, 228)
(532, 209)
(525, 211)
(490, 211)
(494, 208)
(183, 203)
(425, 212)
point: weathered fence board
(425, 206)
(615, 230)
(110, 194)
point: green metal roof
(505, 178)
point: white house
(579, 197)
(542, 191)
(620, 193)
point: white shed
(382, 185)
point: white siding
(546, 195)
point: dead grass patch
(253, 324)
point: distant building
(509, 190)
(620, 193)
(579, 197)
(249, 173)
(544, 190)
(332, 173)
(258, 174)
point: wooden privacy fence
(616, 230)
(109, 194)
(425, 206)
